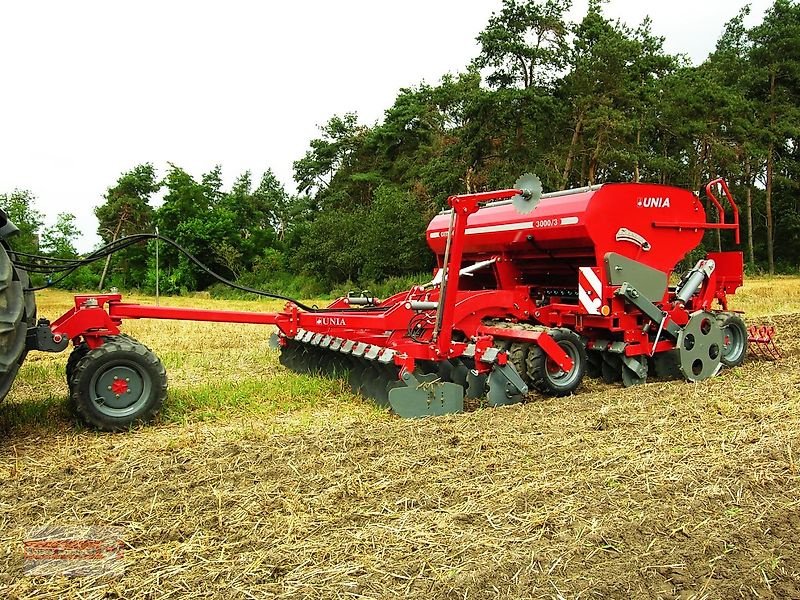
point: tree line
(576, 102)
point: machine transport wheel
(77, 354)
(119, 384)
(79, 351)
(546, 376)
(734, 344)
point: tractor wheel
(734, 345)
(546, 376)
(17, 312)
(118, 385)
(28, 295)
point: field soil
(258, 483)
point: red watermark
(73, 551)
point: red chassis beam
(95, 316)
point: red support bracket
(551, 348)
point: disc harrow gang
(440, 387)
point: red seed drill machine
(532, 292)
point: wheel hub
(118, 387)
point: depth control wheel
(547, 376)
(700, 346)
(82, 349)
(118, 385)
(734, 339)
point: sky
(92, 88)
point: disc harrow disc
(667, 365)
(594, 364)
(611, 369)
(459, 374)
(631, 377)
(476, 384)
(355, 379)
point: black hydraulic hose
(68, 266)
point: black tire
(28, 295)
(77, 354)
(139, 372)
(16, 307)
(518, 356)
(553, 381)
(79, 351)
(734, 332)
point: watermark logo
(73, 551)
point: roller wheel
(546, 376)
(734, 345)
(518, 356)
(118, 385)
(17, 312)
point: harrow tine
(761, 342)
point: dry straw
(670, 490)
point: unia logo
(653, 202)
(336, 321)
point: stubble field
(260, 483)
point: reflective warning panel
(590, 290)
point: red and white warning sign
(590, 290)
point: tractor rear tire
(17, 313)
(546, 376)
(118, 385)
(734, 332)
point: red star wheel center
(120, 386)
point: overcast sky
(92, 88)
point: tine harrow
(761, 342)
